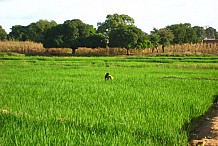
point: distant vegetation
(31, 48)
(117, 31)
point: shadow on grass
(15, 129)
(200, 127)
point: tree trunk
(73, 51)
(163, 47)
(127, 51)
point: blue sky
(147, 14)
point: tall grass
(65, 101)
(31, 48)
(197, 49)
(21, 47)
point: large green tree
(200, 32)
(33, 32)
(71, 34)
(96, 41)
(3, 34)
(211, 33)
(191, 36)
(18, 33)
(155, 39)
(166, 36)
(183, 33)
(127, 37)
(112, 22)
(121, 32)
(36, 31)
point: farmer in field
(108, 77)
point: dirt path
(206, 133)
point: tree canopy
(33, 32)
(166, 36)
(71, 34)
(200, 32)
(36, 31)
(118, 30)
(114, 21)
(3, 34)
(128, 36)
(211, 33)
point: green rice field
(53, 101)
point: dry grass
(22, 47)
(31, 48)
(196, 49)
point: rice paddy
(66, 100)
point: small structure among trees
(210, 41)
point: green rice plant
(66, 101)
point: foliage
(33, 32)
(211, 33)
(166, 36)
(155, 38)
(121, 32)
(75, 33)
(36, 31)
(113, 22)
(96, 41)
(3, 34)
(183, 33)
(145, 44)
(126, 37)
(200, 32)
(123, 37)
(18, 33)
(70, 34)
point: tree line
(116, 31)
